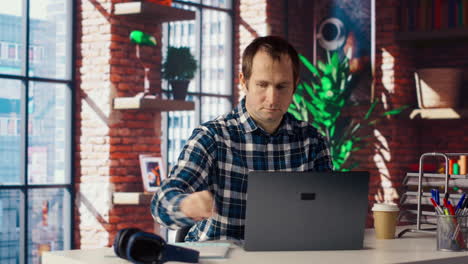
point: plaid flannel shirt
(218, 157)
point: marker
(446, 202)
(451, 209)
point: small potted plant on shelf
(179, 68)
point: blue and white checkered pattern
(218, 157)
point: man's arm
(189, 176)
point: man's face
(269, 90)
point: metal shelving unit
(426, 181)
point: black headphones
(141, 247)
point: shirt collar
(250, 125)
(245, 119)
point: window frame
(23, 187)
(168, 143)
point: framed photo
(152, 172)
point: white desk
(414, 248)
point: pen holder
(452, 232)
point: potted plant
(179, 68)
(321, 98)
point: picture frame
(348, 27)
(152, 172)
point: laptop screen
(306, 210)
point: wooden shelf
(156, 104)
(132, 198)
(448, 34)
(158, 13)
(439, 113)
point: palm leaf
(322, 99)
(308, 65)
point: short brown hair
(275, 47)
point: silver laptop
(306, 210)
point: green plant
(179, 64)
(321, 101)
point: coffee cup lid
(386, 207)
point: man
(207, 188)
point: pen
(434, 195)
(437, 207)
(464, 206)
(460, 203)
(437, 193)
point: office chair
(181, 233)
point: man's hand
(198, 205)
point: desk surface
(413, 248)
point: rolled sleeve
(190, 174)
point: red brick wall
(249, 23)
(395, 64)
(300, 26)
(255, 18)
(396, 145)
(276, 18)
(109, 141)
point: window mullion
(24, 137)
(22, 224)
(199, 34)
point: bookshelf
(433, 16)
(431, 24)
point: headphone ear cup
(121, 241)
(143, 247)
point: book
(451, 13)
(460, 13)
(404, 16)
(465, 12)
(444, 14)
(430, 14)
(422, 15)
(412, 10)
(207, 249)
(437, 14)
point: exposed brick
(125, 178)
(106, 59)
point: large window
(210, 38)
(35, 128)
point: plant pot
(438, 87)
(179, 89)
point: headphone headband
(142, 247)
